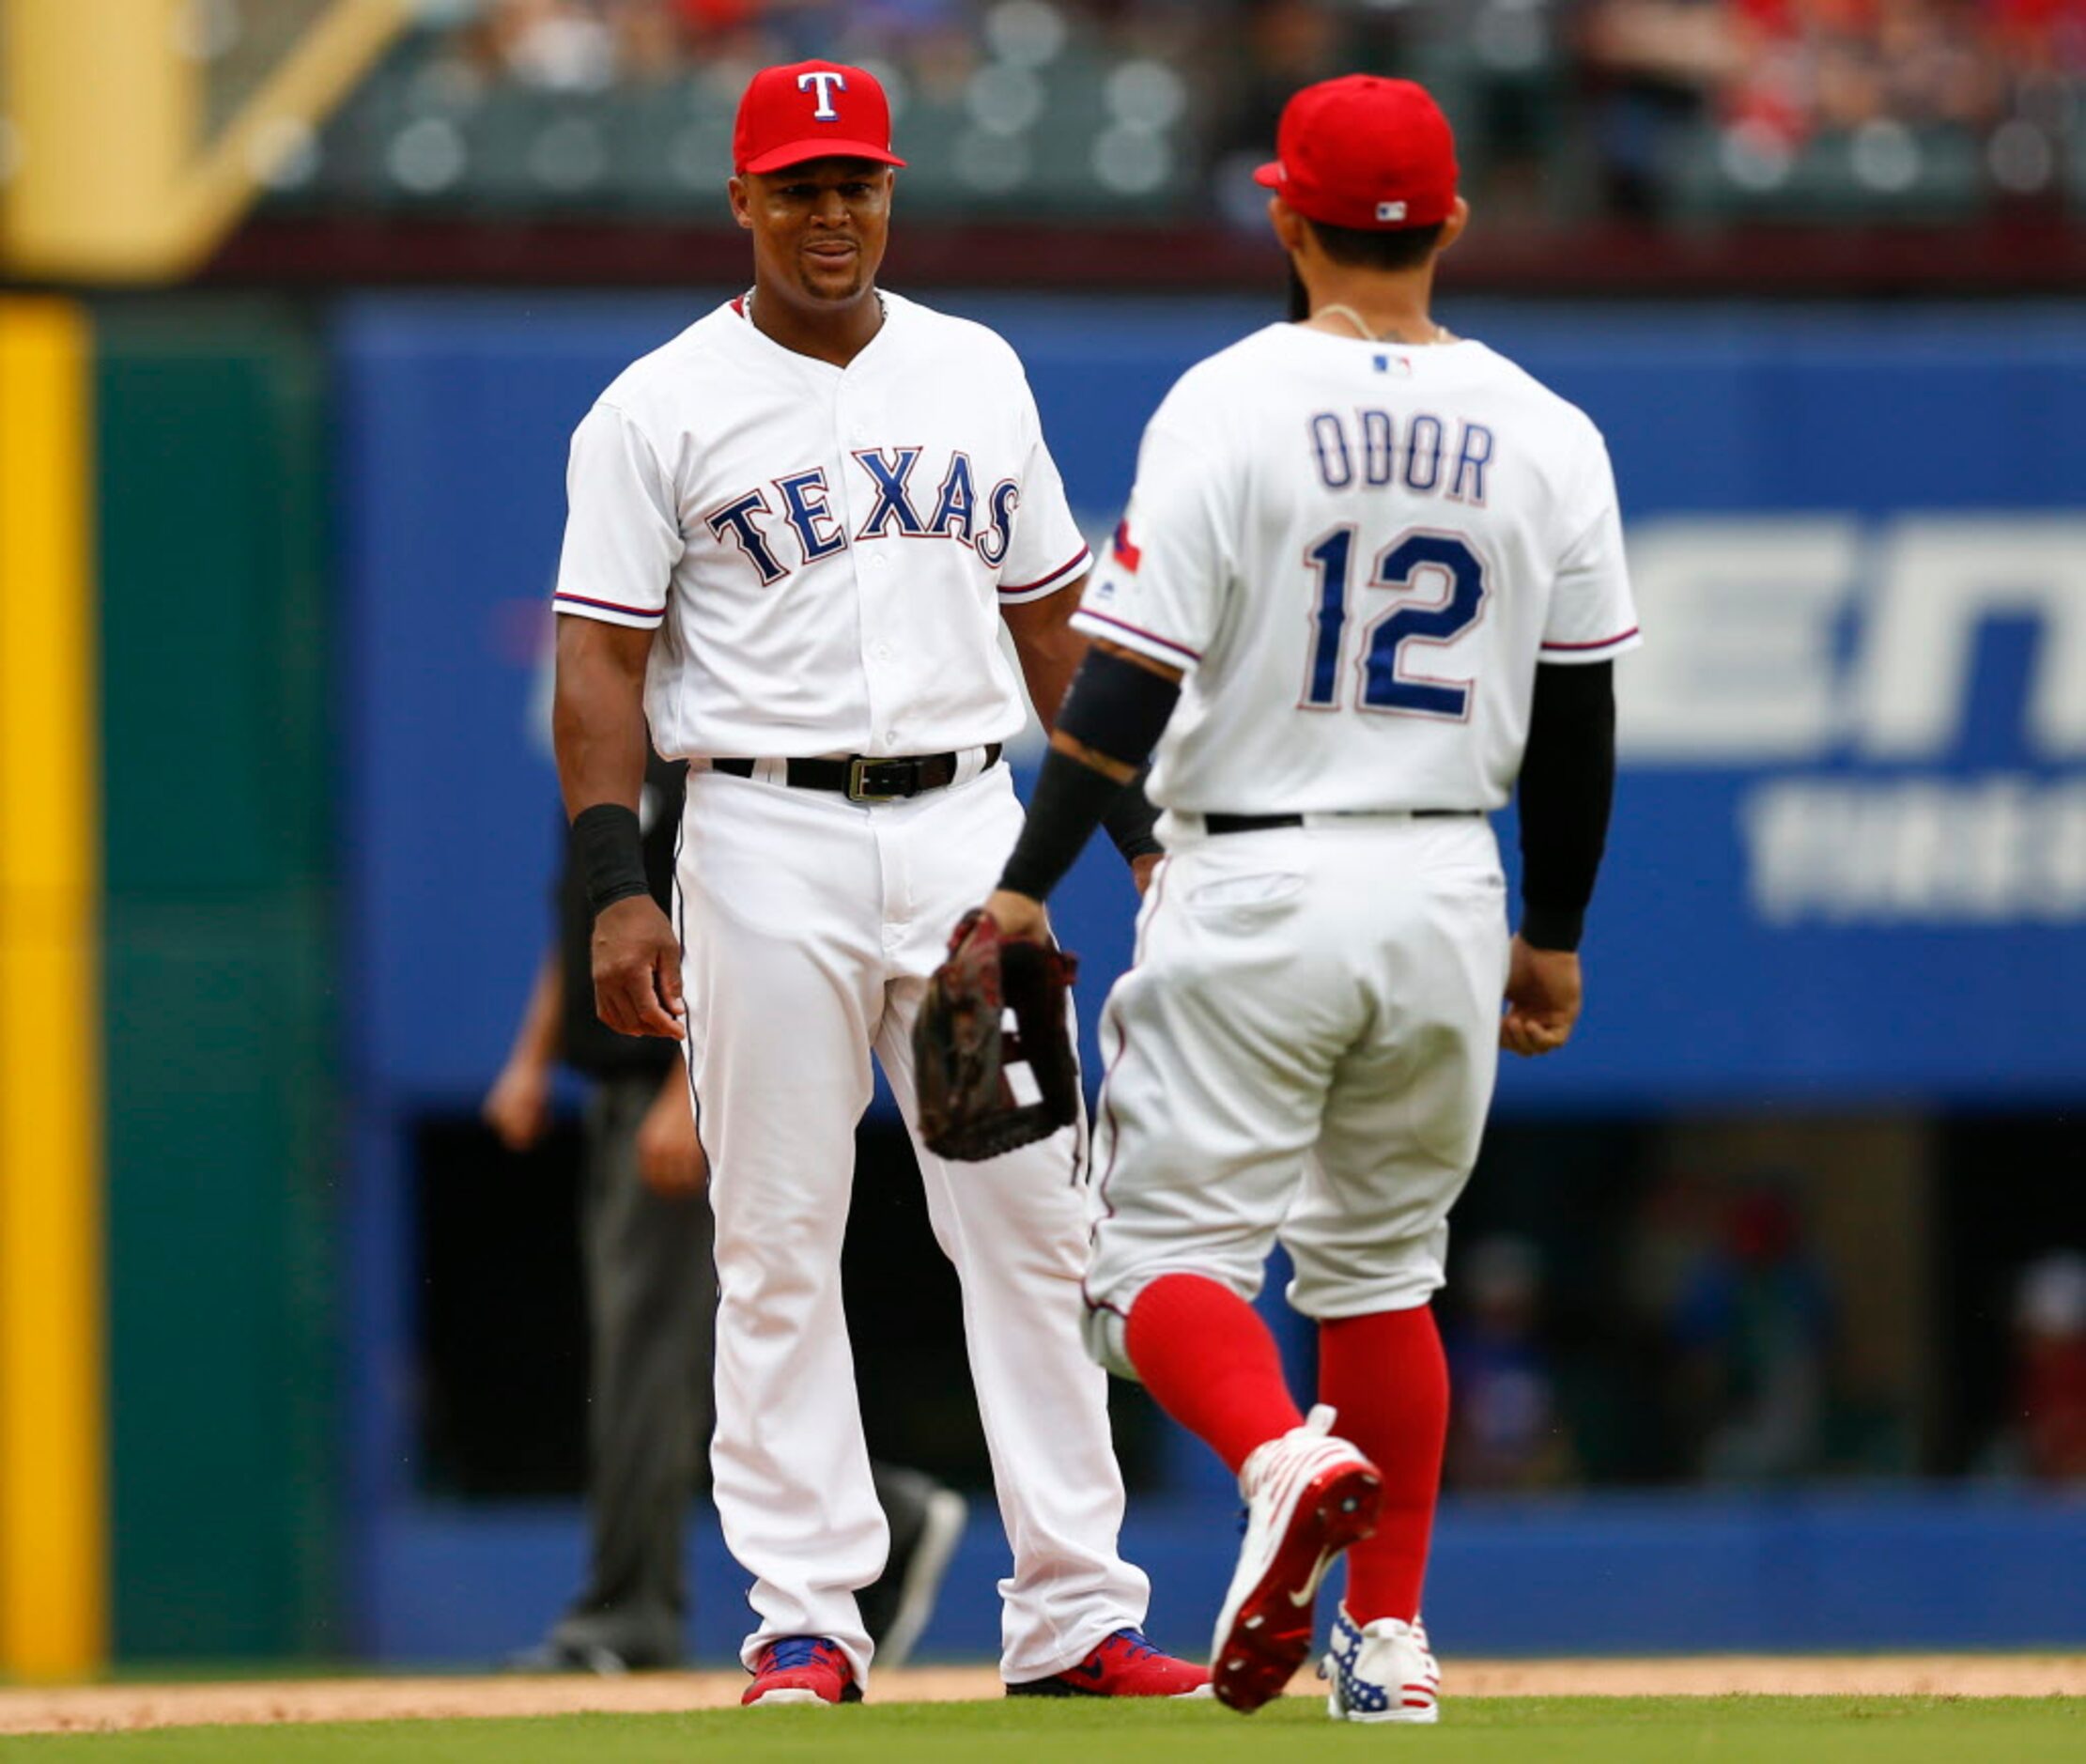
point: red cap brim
(820, 147)
(1270, 175)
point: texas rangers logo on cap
(819, 79)
(812, 110)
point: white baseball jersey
(823, 551)
(1359, 552)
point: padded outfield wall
(168, 1427)
(1855, 738)
(317, 816)
(1849, 873)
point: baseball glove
(962, 1046)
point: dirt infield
(110, 1707)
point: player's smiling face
(818, 228)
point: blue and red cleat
(801, 1669)
(1125, 1664)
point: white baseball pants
(1304, 1049)
(810, 926)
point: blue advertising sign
(1848, 862)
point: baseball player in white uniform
(1371, 576)
(794, 532)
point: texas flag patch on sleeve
(1121, 549)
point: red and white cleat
(801, 1669)
(1381, 1671)
(1125, 1664)
(1309, 1494)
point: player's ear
(1452, 227)
(737, 190)
(1288, 225)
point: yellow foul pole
(105, 108)
(115, 181)
(54, 1496)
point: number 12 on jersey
(1399, 566)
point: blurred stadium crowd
(1679, 110)
(1726, 1358)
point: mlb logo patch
(1388, 211)
(1399, 366)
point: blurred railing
(1014, 111)
(1684, 111)
(1608, 146)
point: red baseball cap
(1364, 151)
(812, 110)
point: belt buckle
(858, 782)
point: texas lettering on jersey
(801, 503)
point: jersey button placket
(851, 436)
(872, 615)
(880, 615)
(875, 607)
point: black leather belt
(1259, 823)
(861, 780)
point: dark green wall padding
(220, 1095)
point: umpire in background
(651, 1288)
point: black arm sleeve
(1070, 802)
(1115, 708)
(1133, 822)
(1567, 783)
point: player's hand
(1143, 868)
(1543, 994)
(518, 1107)
(1018, 916)
(670, 1157)
(636, 969)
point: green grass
(1525, 1730)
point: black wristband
(1070, 801)
(607, 847)
(1131, 822)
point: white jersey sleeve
(1046, 549)
(1592, 613)
(1162, 588)
(622, 529)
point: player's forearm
(1049, 649)
(1051, 655)
(1112, 718)
(597, 724)
(539, 1037)
(1567, 785)
(1128, 816)
(1048, 668)
(598, 715)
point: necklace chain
(1336, 310)
(883, 312)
